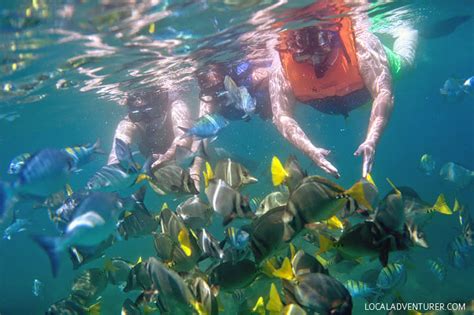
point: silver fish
(456, 174)
(227, 201)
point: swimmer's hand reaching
(318, 156)
(367, 150)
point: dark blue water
(422, 122)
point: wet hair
(211, 79)
(146, 97)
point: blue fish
(83, 154)
(391, 276)
(110, 178)
(359, 289)
(17, 163)
(460, 244)
(124, 155)
(17, 226)
(458, 260)
(206, 127)
(453, 90)
(45, 173)
(437, 268)
(238, 238)
(93, 221)
(240, 97)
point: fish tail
(274, 303)
(208, 174)
(441, 206)
(145, 172)
(184, 242)
(6, 198)
(334, 223)
(94, 309)
(364, 192)
(325, 244)
(51, 245)
(285, 271)
(279, 174)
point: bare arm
(375, 71)
(126, 131)
(282, 101)
(180, 117)
(204, 108)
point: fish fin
(323, 261)
(325, 244)
(140, 178)
(398, 192)
(127, 214)
(274, 303)
(199, 308)
(292, 251)
(109, 266)
(285, 271)
(51, 246)
(139, 195)
(139, 260)
(456, 206)
(360, 192)
(208, 174)
(259, 307)
(334, 223)
(268, 268)
(184, 242)
(147, 309)
(441, 206)
(69, 190)
(279, 174)
(370, 179)
(94, 309)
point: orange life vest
(343, 77)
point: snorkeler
(336, 66)
(152, 123)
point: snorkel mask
(319, 45)
(142, 107)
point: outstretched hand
(367, 150)
(159, 159)
(319, 158)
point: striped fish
(460, 244)
(359, 289)
(111, 178)
(83, 154)
(233, 173)
(391, 276)
(437, 268)
(17, 163)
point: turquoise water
(125, 58)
